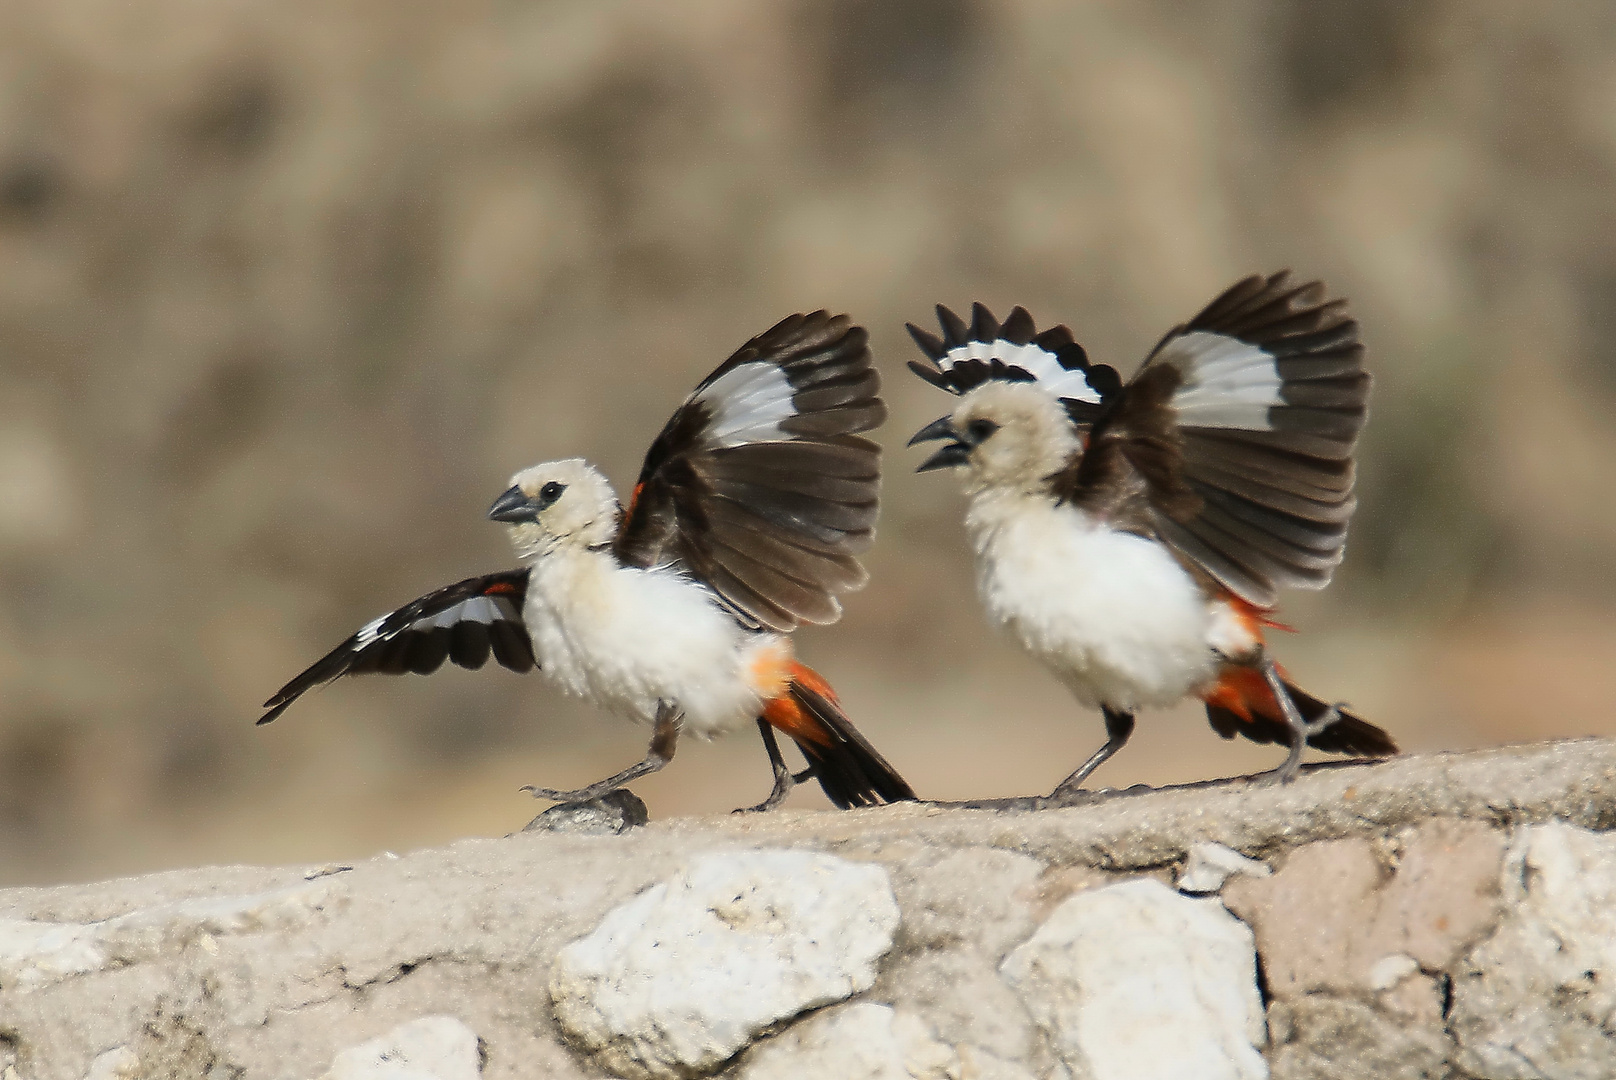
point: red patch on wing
(500, 588)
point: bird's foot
(577, 795)
(1301, 731)
(784, 782)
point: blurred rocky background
(289, 289)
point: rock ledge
(1441, 915)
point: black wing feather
(422, 634)
(954, 362)
(1254, 485)
(767, 493)
(1277, 491)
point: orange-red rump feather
(850, 770)
(1244, 692)
(1242, 703)
(787, 714)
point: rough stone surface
(1208, 866)
(1439, 953)
(1338, 916)
(863, 1041)
(1113, 969)
(1539, 998)
(1328, 1038)
(119, 1063)
(431, 1048)
(33, 953)
(613, 813)
(684, 975)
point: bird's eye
(980, 429)
(550, 492)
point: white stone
(119, 1063)
(1135, 982)
(34, 954)
(680, 978)
(431, 1048)
(1209, 865)
(1537, 998)
(38, 953)
(1388, 971)
(977, 1063)
(863, 1041)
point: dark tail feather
(850, 770)
(1351, 734)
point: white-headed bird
(1133, 537)
(749, 514)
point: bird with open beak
(1133, 537)
(749, 514)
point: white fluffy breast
(626, 638)
(1113, 615)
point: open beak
(955, 454)
(514, 507)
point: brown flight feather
(772, 526)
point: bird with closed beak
(1133, 537)
(747, 519)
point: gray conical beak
(955, 454)
(513, 506)
(941, 428)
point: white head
(556, 505)
(1003, 436)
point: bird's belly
(1112, 615)
(633, 644)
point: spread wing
(1242, 425)
(464, 622)
(966, 356)
(759, 485)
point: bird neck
(993, 507)
(563, 562)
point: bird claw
(579, 795)
(1324, 720)
(784, 782)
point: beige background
(288, 289)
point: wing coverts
(760, 484)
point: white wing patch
(484, 609)
(1041, 364)
(748, 404)
(1227, 383)
(370, 632)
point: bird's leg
(1301, 730)
(1118, 727)
(664, 740)
(784, 778)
